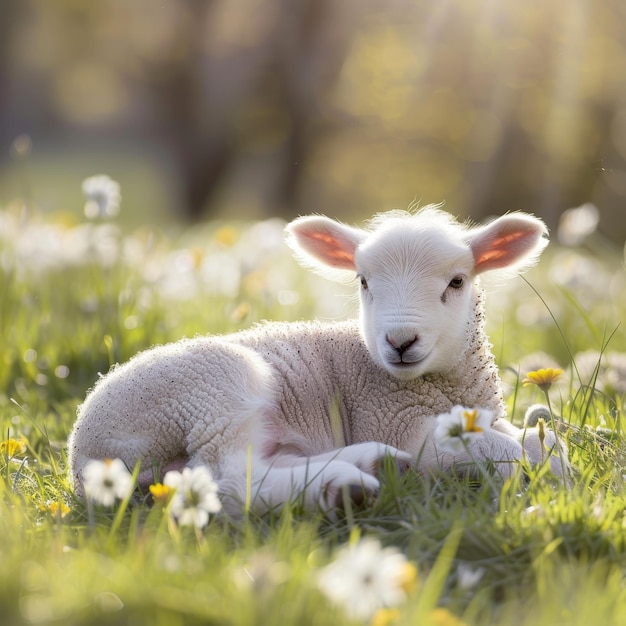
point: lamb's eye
(457, 282)
(363, 282)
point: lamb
(306, 409)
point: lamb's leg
(504, 445)
(366, 456)
(262, 486)
(317, 483)
(503, 451)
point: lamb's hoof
(357, 495)
(403, 465)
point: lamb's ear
(323, 244)
(513, 241)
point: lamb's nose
(401, 346)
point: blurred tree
(238, 92)
(10, 9)
(291, 106)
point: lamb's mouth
(405, 364)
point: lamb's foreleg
(261, 486)
(367, 457)
(504, 446)
(491, 446)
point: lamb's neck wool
(331, 393)
(398, 412)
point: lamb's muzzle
(401, 346)
(300, 411)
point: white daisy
(195, 496)
(366, 577)
(105, 481)
(103, 197)
(455, 430)
(575, 225)
(468, 577)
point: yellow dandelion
(443, 617)
(13, 447)
(227, 236)
(161, 493)
(385, 617)
(56, 509)
(407, 577)
(543, 378)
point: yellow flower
(439, 617)
(161, 493)
(543, 378)
(12, 447)
(407, 577)
(227, 236)
(443, 617)
(56, 509)
(384, 617)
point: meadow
(78, 295)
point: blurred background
(254, 108)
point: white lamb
(300, 410)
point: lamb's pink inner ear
(504, 244)
(329, 246)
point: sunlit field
(78, 295)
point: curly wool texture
(173, 401)
(324, 366)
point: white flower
(577, 224)
(455, 430)
(468, 577)
(105, 481)
(366, 577)
(103, 196)
(195, 496)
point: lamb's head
(418, 274)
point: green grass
(75, 299)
